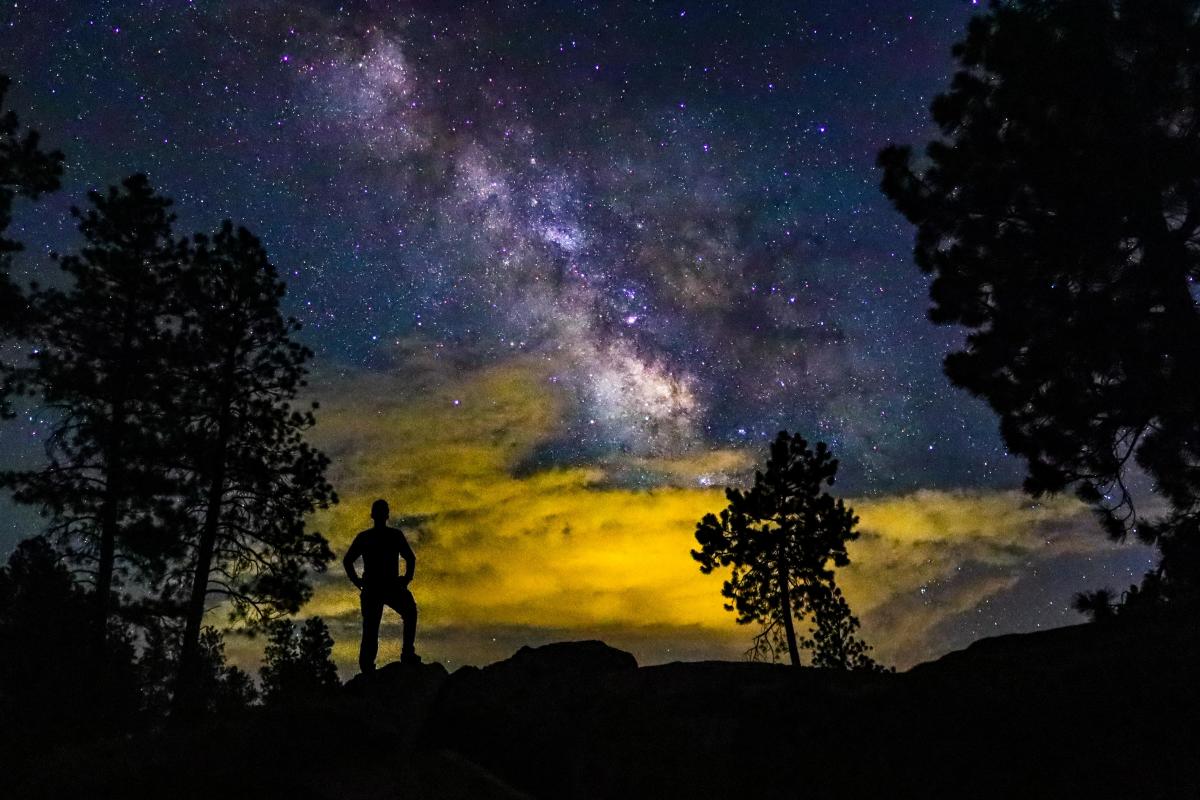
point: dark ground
(1087, 711)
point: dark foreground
(1088, 711)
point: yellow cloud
(924, 557)
(555, 547)
(908, 540)
(508, 556)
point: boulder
(400, 696)
(526, 717)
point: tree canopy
(783, 538)
(26, 171)
(1059, 214)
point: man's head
(380, 511)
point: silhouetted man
(382, 584)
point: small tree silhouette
(28, 171)
(782, 539)
(250, 475)
(297, 664)
(224, 687)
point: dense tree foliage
(135, 326)
(297, 662)
(1059, 214)
(783, 538)
(26, 171)
(176, 457)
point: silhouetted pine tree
(1059, 213)
(104, 345)
(27, 171)
(252, 477)
(783, 537)
(298, 664)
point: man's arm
(410, 559)
(351, 556)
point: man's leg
(372, 611)
(406, 607)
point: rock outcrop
(1097, 711)
(400, 696)
(526, 718)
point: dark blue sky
(695, 183)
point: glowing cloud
(508, 557)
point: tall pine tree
(1058, 212)
(103, 345)
(252, 479)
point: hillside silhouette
(1086, 711)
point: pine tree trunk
(187, 699)
(785, 609)
(109, 522)
(186, 692)
(113, 486)
(105, 566)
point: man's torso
(381, 551)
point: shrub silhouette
(220, 688)
(1098, 605)
(57, 687)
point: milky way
(673, 208)
(679, 202)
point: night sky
(567, 267)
